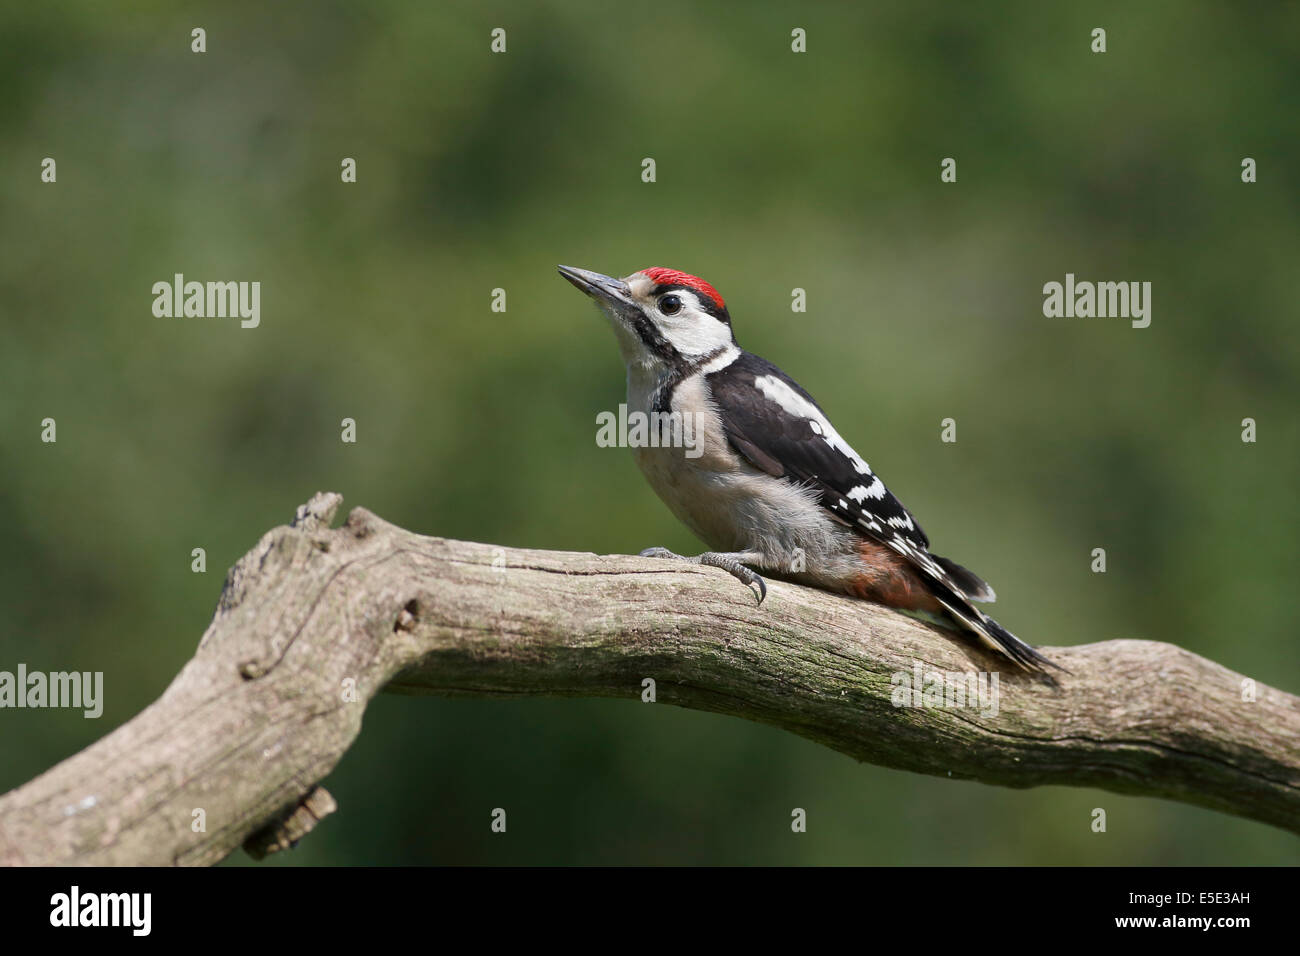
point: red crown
(673, 277)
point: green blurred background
(775, 170)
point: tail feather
(972, 618)
(1018, 650)
(972, 585)
(955, 589)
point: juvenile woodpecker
(769, 483)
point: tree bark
(315, 621)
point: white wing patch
(794, 404)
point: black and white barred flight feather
(779, 428)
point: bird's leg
(733, 563)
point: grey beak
(602, 288)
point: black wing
(781, 430)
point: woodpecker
(770, 484)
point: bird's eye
(670, 305)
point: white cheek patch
(692, 332)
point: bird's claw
(661, 553)
(746, 576)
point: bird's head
(661, 316)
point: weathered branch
(315, 621)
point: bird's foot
(733, 564)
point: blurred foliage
(775, 171)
